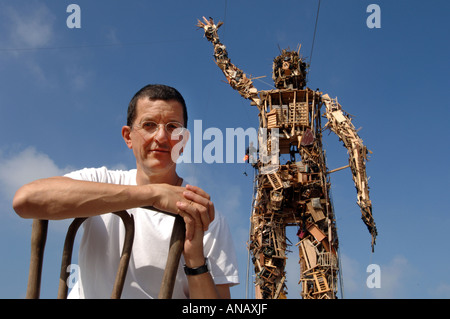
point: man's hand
(192, 203)
(198, 212)
(199, 206)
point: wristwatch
(197, 270)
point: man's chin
(159, 161)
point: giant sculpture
(292, 179)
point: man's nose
(161, 133)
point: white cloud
(24, 167)
(30, 26)
(396, 277)
(352, 276)
(442, 291)
(27, 28)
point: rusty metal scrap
(296, 192)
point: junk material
(297, 192)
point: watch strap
(196, 270)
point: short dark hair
(155, 92)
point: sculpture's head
(289, 70)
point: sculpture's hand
(209, 27)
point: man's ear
(126, 131)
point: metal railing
(39, 237)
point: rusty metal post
(128, 221)
(173, 260)
(67, 257)
(38, 239)
(124, 259)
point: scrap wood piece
(275, 180)
(309, 253)
(321, 283)
(279, 287)
(320, 237)
(316, 232)
(315, 211)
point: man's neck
(171, 178)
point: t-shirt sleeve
(90, 174)
(219, 248)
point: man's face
(153, 151)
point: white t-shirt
(103, 237)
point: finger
(199, 196)
(195, 198)
(199, 213)
(202, 207)
(198, 191)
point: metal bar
(173, 259)
(67, 257)
(38, 239)
(128, 221)
(124, 259)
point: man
(156, 123)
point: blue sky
(64, 93)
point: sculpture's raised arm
(237, 79)
(340, 123)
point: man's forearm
(62, 197)
(201, 286)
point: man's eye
(149, 125)
(172, 126)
